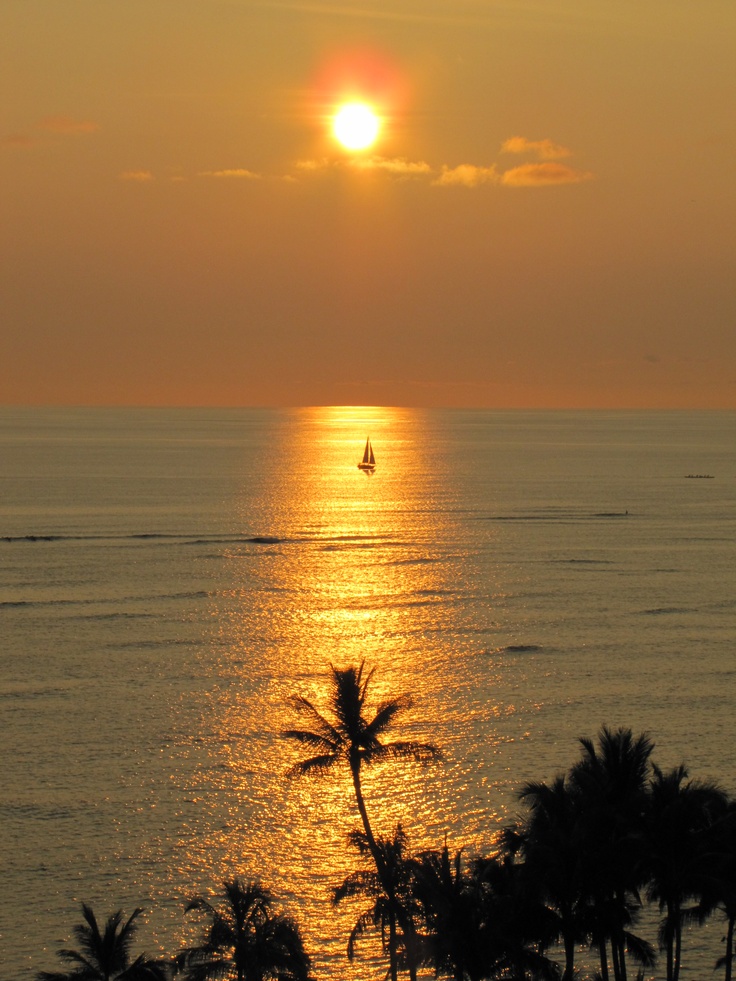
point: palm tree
(611, 781)
(245, 940)
(387, 899)
(451, 906)
(349, 738)
(724, 894)
(517, 927)
(105, 955)
(679, 849)
(550, 841)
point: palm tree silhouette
(723, 893)
(391, 900)
(349, 738)
(611, 781)
(105, 955)
(452, 908)
(550, 841)
(245, 940)
(679, 846)
(517, 926)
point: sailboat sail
(368, 463)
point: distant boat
(699, 476)
(368, 463)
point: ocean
(168, 578)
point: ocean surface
(168, 578)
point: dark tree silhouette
(517, 927)
(392, 898)
(245, 940)
(611, 781)
(349, 737)
(678, 849)
(452, 909)
(105, 954)
(550, 842)
(723, 894)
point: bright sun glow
(355, 126)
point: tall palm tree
(452, 909)
(349, 737)
(550, 841)
(611, 780)
(679, 845)
(245, 940)
(517, 927)
(105, 954)
(723, 895)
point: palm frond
(314, 765)
(321, 723)
(313, 739)
(387, 712)
(362, 882)
(424, 753)
(641, 950)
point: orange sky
(547, 218)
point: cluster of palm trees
(244, 938)
(572, 875)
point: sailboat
(368, 463)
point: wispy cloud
(467, 175)
(141, 176)
(546, 171)
(544, 149)
(543, 175)
(61, 125)
(374, 12)
(398, 166)
(237, 172)
(67, 125)
(21, 140)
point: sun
(356, 126)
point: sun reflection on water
(346, 569)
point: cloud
(237, 172)
(398, 166)
(544, 149)
(543, 175)
(67, 126)
(546, 172)
(467, 175)
(18, 140)
(314, 165)
(141, 176)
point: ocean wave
(109, 600)
(149, 536)
(514, 649)
(657, 611)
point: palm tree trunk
(355, 772)
(380, 868)
(669, 938)
(678, 947)
(569, 958)
(619, 968)
(729, 946)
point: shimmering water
(168, 578)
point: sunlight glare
(356, 126)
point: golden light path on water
(356, 575)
